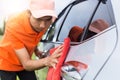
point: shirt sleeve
(14, 39)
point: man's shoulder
(17, 22)
(18, 15)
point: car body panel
(94, 52)
(111, 70)
(100, 52)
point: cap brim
(42, 13)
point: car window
(79, 15)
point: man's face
(38, 24)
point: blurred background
(8, 7)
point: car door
(93, 51)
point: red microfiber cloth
(54, 74)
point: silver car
(98, 51)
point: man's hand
(52, 60)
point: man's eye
(44, 19)
(39, 19)
(49, 19)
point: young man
(22, 34)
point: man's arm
(30, 65)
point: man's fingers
(57, 53)
(58, 50)
(54, 63)
(54, 66)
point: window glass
(80, 15)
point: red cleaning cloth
(54, 74)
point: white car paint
(100, 52)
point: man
(22, 34)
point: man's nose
(42, 24)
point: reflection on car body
(100, 51)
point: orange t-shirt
(18, 34)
